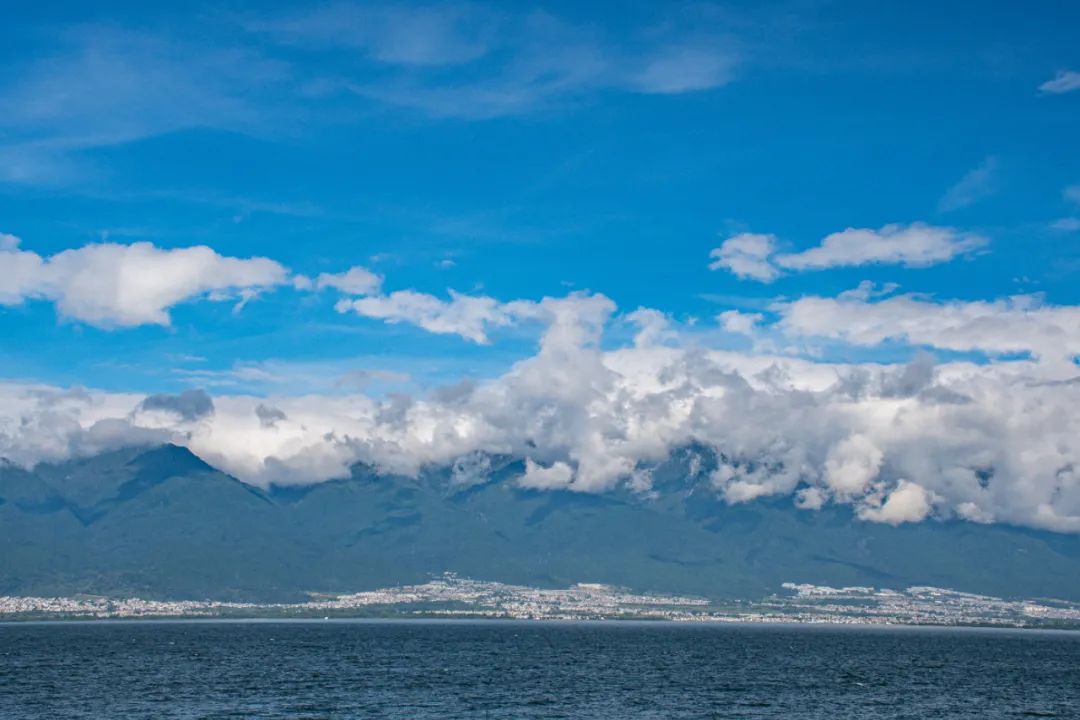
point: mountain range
(161, 523)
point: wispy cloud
(100, 85)
(105, 86)
(466, 61)
(1065, 81)
(448, 34)
(755, 257)
(976, 185)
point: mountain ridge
(162, 523)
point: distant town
(451, 596)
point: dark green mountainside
(163, 524)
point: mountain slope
(161, 523)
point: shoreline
(582, 622)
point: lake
(502, 669)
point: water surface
(500, 669)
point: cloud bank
(982, 442)
(994, 438)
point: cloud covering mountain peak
(979, 441)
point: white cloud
(654, 327)
(1066, 224)
(986, 442)
(1072, 194)
(685, 68)
(537, 477)
(754, 256)
(355, 281)
(474, 316)
(746, 255)
(852, 465)
(1065, 81)
(976, 185)
(469, 316)
(915, 245)
(111, 285)
(908, 502)
(738, 322)
(1020, 324)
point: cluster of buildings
(454, 596)
(918, 605)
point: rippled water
(530, 670)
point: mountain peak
(171, 458)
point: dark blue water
(522, 670)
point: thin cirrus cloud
(104, 85)
(397, 35)
(978, 184)
(1071, 194)
(472, 62)
(754, 256)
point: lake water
(416, 669)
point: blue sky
(835, 242)
(519, 151)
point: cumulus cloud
(188, 405)
(990, 442)
(753, 256)
(741, 323)
(746, 255)
(908, 502)
(1020, 324)
(40, 423)
(469, 316)
(269, 415)
(110, 285)
(355, 281)
(474, 316)
(851, 465)
(1064, 81)
(915, 245)
(555, 477)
